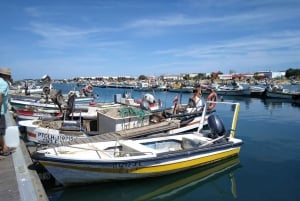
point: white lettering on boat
(54, 138)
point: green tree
(142, 77)
(186, 77)
(292, 73)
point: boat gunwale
(170, 155)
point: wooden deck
(127, 134)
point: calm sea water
(266, 169)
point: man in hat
(5, 77)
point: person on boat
(195, 102)
(5, 77)
(27, 93)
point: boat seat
(71, 126)
(137, 147)
(188, 142)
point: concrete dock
(17, 180)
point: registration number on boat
(127, 165)
(53, 138)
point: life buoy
(89, 89)
(212, 97)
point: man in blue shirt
(5, 77)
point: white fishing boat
(168, 187)
(42, 102)
(257, 91)
(110, 120)
(49, 98)
(124, 120)
(122, 159)
(54, 106)
(142, 86)
(34, 110)
(278, 91)
(34, 114)
(233, 89)
(182, 89)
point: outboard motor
(216, 126)
(46, 81)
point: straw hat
(5, 71)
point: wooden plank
(127, 134)
(147, 130)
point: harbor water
(266, 169)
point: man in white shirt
(195, 102)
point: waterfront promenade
(17, 180)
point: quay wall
(29, 183)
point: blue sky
(66, 39)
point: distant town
(290, 75)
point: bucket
(12, 136)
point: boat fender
(212, 97)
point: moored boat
(257, 91)
(168, 187)
(34, 114)
(111, 121)
(278, 91)
(18, 101)
(122, 159)
(125, 120)
(233, 89)
(182, 89)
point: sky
(89, 38)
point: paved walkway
(8, 182)
(17, 181)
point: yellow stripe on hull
(187, 164)
(152, 169)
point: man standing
(5, 77)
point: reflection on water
(162, 188)
(271, 103)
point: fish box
(121, 118)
